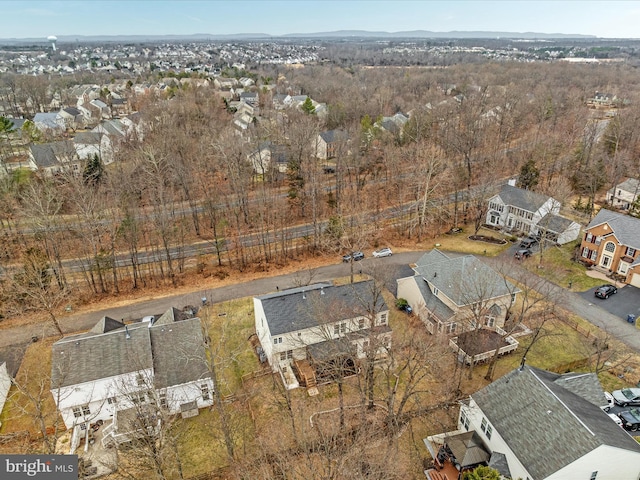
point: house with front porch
(456, 294)
(115, 367)
(534, 424)
(611, 243)
(305, 332)
(519, 210)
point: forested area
(188, 190)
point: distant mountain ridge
(456, 34)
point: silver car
(383, 252)
(626, 396)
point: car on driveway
(605, 291)
(626, 396)
(383, 252)
(528, 243)
(630, 419)
(357, 256)
(522, 253)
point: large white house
(115, 367)
(302, 330)
(537, 425)
(519, 210)
(624, 194)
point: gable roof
(545, 420)
(173, 346)
(465, 280)
(625, 228)
(630, 185)
(331, 136)
(49, 120)
(306, 307)
(554, 223)
(88, 138)
(51, 154)
(525, 199)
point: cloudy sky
(25, 19)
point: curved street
(395, 266)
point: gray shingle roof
(465, 280)
(51, 154)
(173, 346)
(625, 228)
(433, 303)
(525, 199)
(546, 425)
(301, 308)
(331, 136)
(630, 185)
(554, 223)
(87, 138)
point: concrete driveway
(623, 303)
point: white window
(631, 252)
(594, 475)
(489, 321)
(204, 389)
(450, 327)
(585, 252)
(594, 255)
(383, 319)
(140, 379)
(610, 247)
(339, 328)
(483, 425)
(435, 291)
(464, 420)
(138, 397)
(163, 399)
(77, 412)
(112, 400)
(361, 323)
(489, 431)
(277, 340)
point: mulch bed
(486, 239)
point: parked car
(610, 402)
(383, 252)
(616, 419)
(522, 253)
(630, 419)
(357, 256)
(626, 396)
(605, 291)
(528, 243)
(403, 305)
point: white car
(615, 418)
(383, 252)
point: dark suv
(605, 291)
(357, 256)
(528, 243)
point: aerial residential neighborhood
(392, 253)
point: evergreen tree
(307, 107)
(93, 170)
(529, 175)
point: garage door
(635, 280)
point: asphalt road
(396, 266)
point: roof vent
(435, 274)
(127, 335)
(304, 297)
(321, 290)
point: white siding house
(519, 210)
(115, 367)
(304, 327)
(534, 424)
(624, 194)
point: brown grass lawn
(461, 243)
(34, 375)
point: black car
(357, 256)
(522, 253)
(528, 243)
(630, 419)
(605, 291)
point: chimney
(321, 290)
(127, 335)
(435, 274)
(304, 297)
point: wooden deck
(445, 471)
(305, 373)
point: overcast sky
(25, 19)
